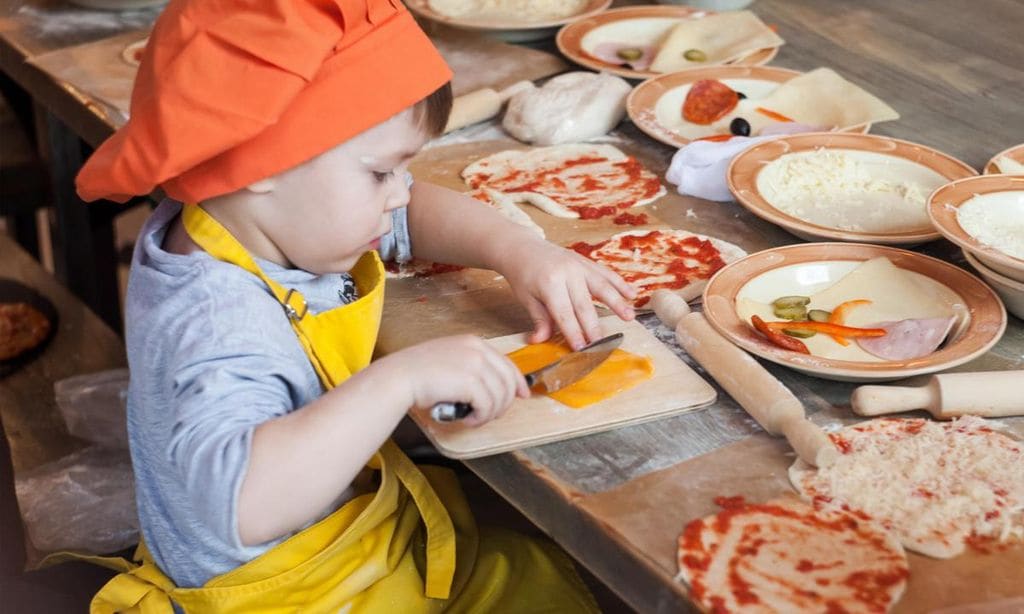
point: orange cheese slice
(621, 371)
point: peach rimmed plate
(1015, 154)
(860, 215)
(805, 269)
(1005, 192)
(511, 30)
(655, 106)
(649, 25)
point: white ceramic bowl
(1012, 292)
(944, 205)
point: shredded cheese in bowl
(849, 190)
(997, 220)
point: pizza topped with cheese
(655, 259)
(938, 486)
(786, 556)
(585, 181)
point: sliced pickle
(819, 315)
(798, 312)
(800, 334)
(695, 55)
(630, 53)
(791, 301)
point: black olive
(741, 95)
(740, 127)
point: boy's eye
(381, 177)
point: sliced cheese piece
(621, 371)
(823, 98)
(722, 37)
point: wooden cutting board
(674, 388)
(647, 514)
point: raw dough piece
(572, 107)
(677, 260)
(418, 268)
(785, 556)
(936, 485)
(586, 181)
(507, 207)
(510, 10)
(722, 38)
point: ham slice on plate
(907, 339)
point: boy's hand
(463, 368)
(558, 286)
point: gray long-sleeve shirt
(212, 356)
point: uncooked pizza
(22, 327)
(786, 556)
(418, 268)
(586, 181)
(938, 486)
(655, 259)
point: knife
(566, 370)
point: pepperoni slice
(709, 100)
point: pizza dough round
(677, 260)
(936, 485)
(785, 556)
(585, 181)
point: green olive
(802, 334)
(791, 301)
(630, 53)
(695, 55)
(798, 312)
(819, 315)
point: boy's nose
(400, 194)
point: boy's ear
(262, 186)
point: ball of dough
(569, 108)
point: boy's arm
(301, 461)
(555, 285)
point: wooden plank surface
(674, 388)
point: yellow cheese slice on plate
(824, 99)
(722, 37)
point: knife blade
(554, 376)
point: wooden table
(954, 77)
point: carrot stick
(772, 114)
(839, 316)
(715, 138)
(828, 328)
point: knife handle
(450, 412)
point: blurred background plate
(513, 31)
(15, 292)
(671, 89)
(1015, 154)
(653, 22)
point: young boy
(258, 426)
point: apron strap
(440, 530)
(211, 235)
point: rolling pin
(763, 396)
(988, 394)
(480, 105)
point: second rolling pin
(481, 105)
(763, 396)
(988, 394)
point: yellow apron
(371, 555)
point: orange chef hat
(233, 91)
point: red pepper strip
(828, 328)
(772, 114)
(839, 316)
(779, 339)
(715, 137)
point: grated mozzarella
(934, 488)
